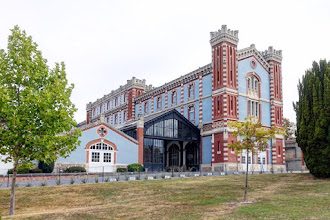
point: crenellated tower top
(224, 34)
(272, 54)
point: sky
(106, 43)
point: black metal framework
(170, 140)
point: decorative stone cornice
(175, 83)
(252, 51)
(272, 54)
(224, 34)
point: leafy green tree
(46, 167)
(288, 128)
(313, 118)
(36, 114)
(253, 137)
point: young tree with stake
(36, 114)
(252, 137)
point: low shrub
(75, 170)
(135, 167)
(121, 170)
(21, 170)
(35, 170)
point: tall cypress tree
(313, 118)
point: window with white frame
(243, 159)
(191, 91)
(263, 160)
(191, 112)
(146, 107)
(107, 157)
(125, 116)
(253, 108)
(95, 156)
(259, 160)
(116, 119)
(174, 97)
(159, 102)
(101, 152)
(253, 85)
(249, 160)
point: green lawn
(271, 196)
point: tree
(288, 128)
(313, 118)
(253, 137)
(36, 114)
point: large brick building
(185, 122)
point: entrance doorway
(174, 155)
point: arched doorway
(192, 155)
(174, 155)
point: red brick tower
(224, 96)
(274, 58)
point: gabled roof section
(189, 131)
(98, 123)
(252, 51)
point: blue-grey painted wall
(242, 103)
(207, 110)
(207, 85)
(244, 68)
(265, 113)
(127, 150)
(207, 149)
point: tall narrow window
(146, 106)
(116, 101)
(174, 97)
(191, 112)
(279, 150)
(125, 96)
(116, 119)
(219, 147)
(125, 116)
(159, 103)
(243, 159)
(191, 90)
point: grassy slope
(281, 196)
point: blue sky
(105, 43)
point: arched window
(101, 152)
(253, 85)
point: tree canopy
(36, 114)
(253, 137)
(289, 128)
(313, 118)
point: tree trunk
(247, 172)
(12, 192)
